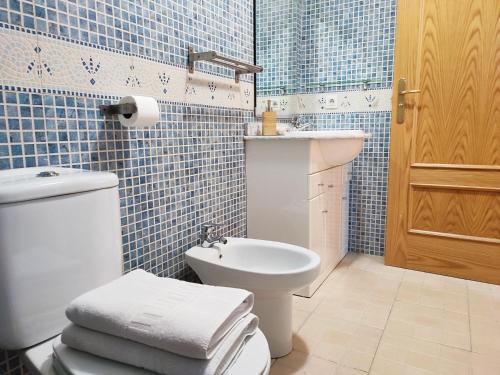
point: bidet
(271, 270)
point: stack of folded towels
(163, 325)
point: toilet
(60, 237)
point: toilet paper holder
(118, 109)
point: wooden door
(444, 175)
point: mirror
(323, 56)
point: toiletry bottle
(269, 121)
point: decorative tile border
(19, 59)
(331, 102)
(37, 61)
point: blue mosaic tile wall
(345, 42)
(278, 24)
(186, 170)
(323, 45)
(155, 29)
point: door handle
(402, 91)
(409, 92)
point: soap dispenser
(269, 121)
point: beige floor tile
(355, 308)
(307, 304)
(367, 262)
(453, 368)
(476, 286)
(341, 370)
(422, 294)
(422, 361)
(335, 282)
(297, 363)
(436, 282)
(485, 336)
(299, 317)
(383, 366)
(495, 290)
(396, 327)
(366, 284)
(484, 305)
(375, 264)
(347, 343)
(370, 318)
(348, 259)
(357, 360)
(302, 364)
(405, 355)
(432, 324)
(485, 365)
(357, 288)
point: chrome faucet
(297, 123)
(209, 237)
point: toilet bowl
(271, 270)
(54, 358)
(68, 219)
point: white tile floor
(368, 318)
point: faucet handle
(211, 225)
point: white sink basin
(337, 147)
(271, 270)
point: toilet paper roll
(148, 112)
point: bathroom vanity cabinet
(327, 232)
(294, 196)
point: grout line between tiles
(468, 316)
(386, 322)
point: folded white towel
(176, 316)
(159, 361)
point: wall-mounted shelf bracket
(213, 57)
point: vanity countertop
(321, 134)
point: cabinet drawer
(324, 181)
(318, 183)
(335, 177)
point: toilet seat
(253, 360)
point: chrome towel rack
(239, 67)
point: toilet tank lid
(18, 185)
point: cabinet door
(346, 181)
(334, 218)
(344, 242)
(317, 223)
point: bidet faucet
(209, 237)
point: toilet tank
(60, 236)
